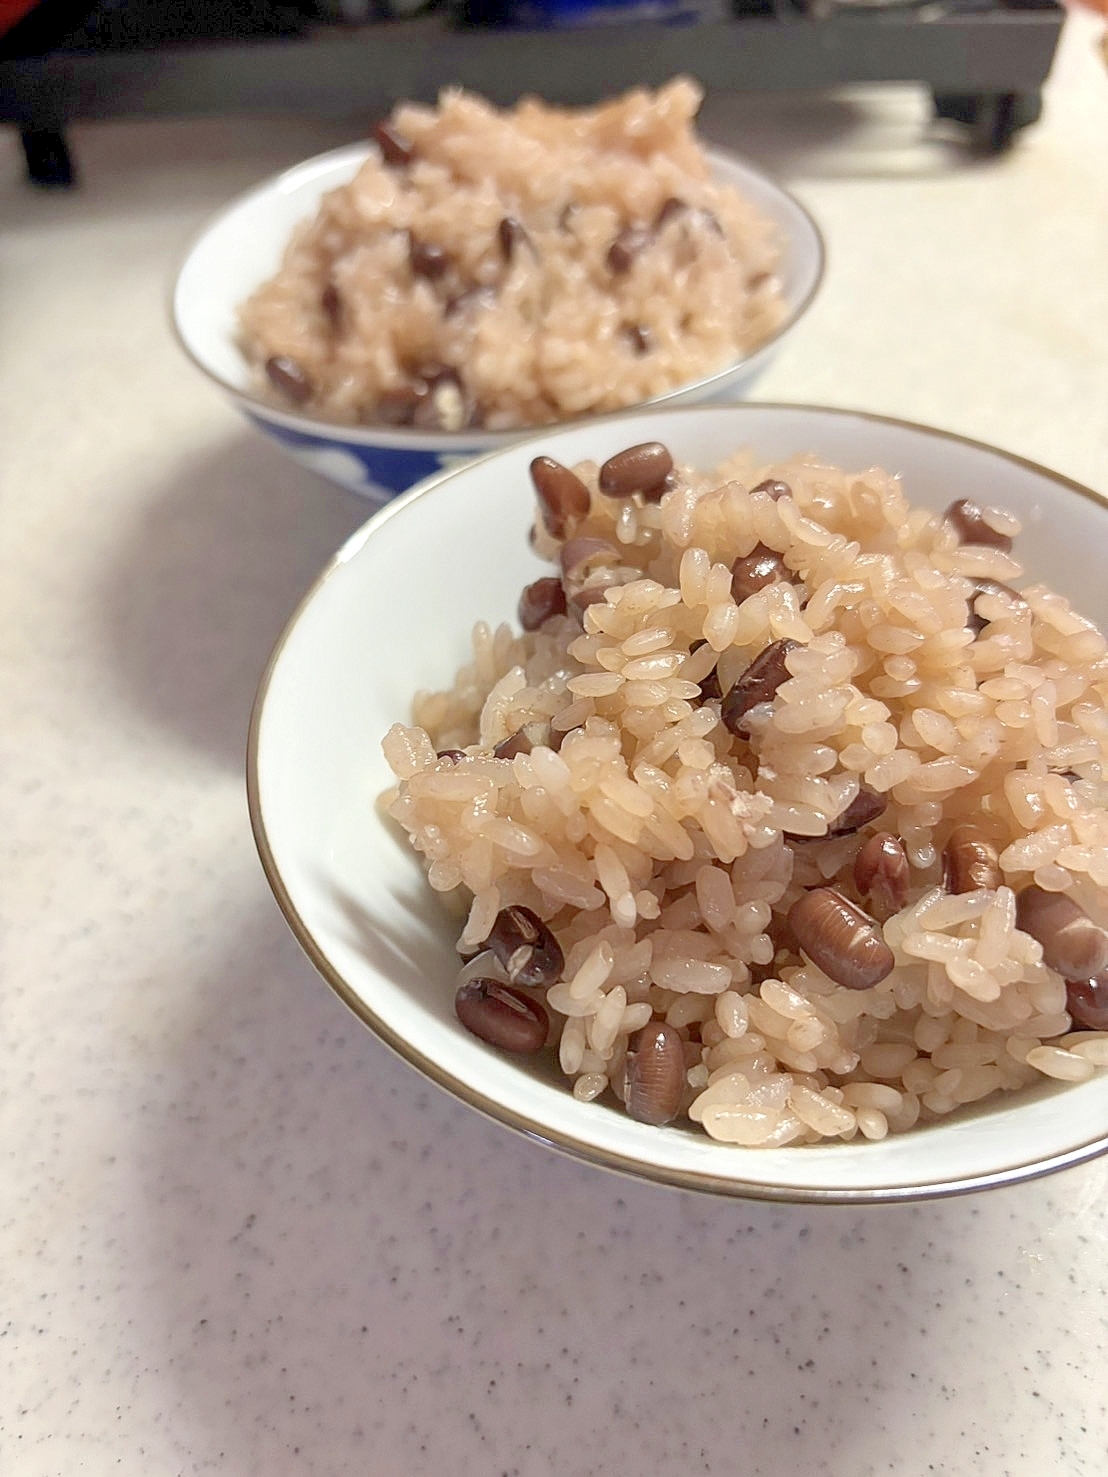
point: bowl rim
(554, 1138)
(407, 439)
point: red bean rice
(666, 853)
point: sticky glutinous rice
(515, 268)
(921, 773)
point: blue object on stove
(550, 14)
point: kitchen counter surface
(236, 1235)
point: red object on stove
(12, 11)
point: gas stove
(983, 62)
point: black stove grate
(984, 62)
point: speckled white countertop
(236, 1235)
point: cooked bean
(502, 1016)
(534, 735)
(758, 684)
(397, 407)
(395, 148)
(675, 207)
(640, 338)
(784, 942)
(970, 861)
(842, 940)
(977, 623)
(289, 377)
(580, 600)
(866, 806)
(331, 303)
(626, 247)
(774, 488)
(643, 468)
(882, 874)
(654, 1074)
(540, 601)
(656, 493)
(563, 498)
(1087, 1002)
(710, 689)
(511, 235)
(515, 743)
(445, 406)
(967, 519)
(761, 567)
(528, 951)
(452, 754)
(426, 259)
(1072, 942)
(591, 566)
(580, 556)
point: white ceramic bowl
(365, 638)
(244, 244)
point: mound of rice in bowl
(514, 268)
(786, 810)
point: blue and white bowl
(243, 245)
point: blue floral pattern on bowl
(377, 472)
